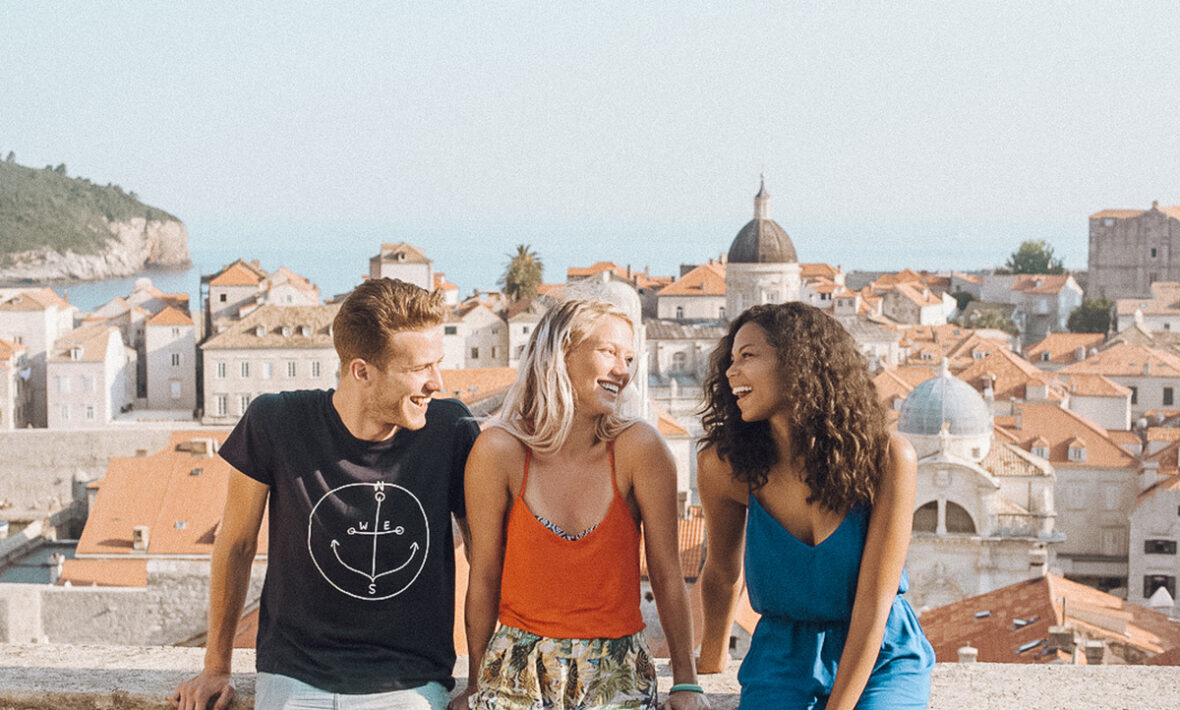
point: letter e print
(369, 540)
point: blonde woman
(558, 489)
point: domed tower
(945, 413)
(762, 266)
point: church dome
(945, 398)
(762, 240)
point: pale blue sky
(931, 135)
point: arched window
(926, 517)
(958, 520)
(679, 362)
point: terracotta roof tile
(1011, 624)
(239, 273)
(1096, 386)
(177, 493)
(810, 271)
(170, 315)
(408, 254)
(34, 299)
(1013, 374)
(1059, 426)
(704, 280)
(1040, 283)
(1127, 360)
(1062, 347)
(104, 573)
(92, 339)
(272, 320)
(477, 383)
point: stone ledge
(44, 676)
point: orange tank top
(584, 588)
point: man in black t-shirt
(360, 484)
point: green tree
(962, 298)
(522, 275)
(1093, 316)
(1034, 256)
(989, 318)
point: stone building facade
(1132, 249)
(761, 266)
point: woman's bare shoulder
(714, 474)
(498, 442)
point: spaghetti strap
(610, 450)
(528, 454)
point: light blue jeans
(279, 692)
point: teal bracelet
(688, 687)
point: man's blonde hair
(377, 310)
(539, 407)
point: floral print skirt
(523, 671)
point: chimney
(1061, 638)
(968, 654)
(1147, 369)
(1038, 562)
(1094, 650)
(139, 538)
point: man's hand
(196, 693)
(459, 702)
(686, 700)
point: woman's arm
(725, 527)
(881, 565)
(652, 472)
(489, 496)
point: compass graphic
(369, 540)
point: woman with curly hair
(797, 466)
(558, 489)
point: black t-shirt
(360, 579)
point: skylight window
(982, 614)
(1029, 646)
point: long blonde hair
(539, 407)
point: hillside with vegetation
(56, 226)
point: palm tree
(522, 275)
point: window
(450, 330)
(219, 404)
(244, 367)
(175, 331)
(1046, 356)
(1077, 453)
(290, 368)
(926, 517)
(174, 386)
(495, 352)
(175, 359)
(679, 312)
(221, 370)
(475, 353)
(1108, 222)
(1153, 252)
(1167, 395)
(721, 312)
(1113, 496)
(243, 402)
(87, 383)
(1134, 395)
(221, 298)
(315, 369)
(1159, 547)
(1040, 450)
(64, 413)
(63, 384)
(18, 339)
(679, 361)
(90, 412)
(524, 329)
(268, 370)
(958, 520)
(1152, 582)
(75, 353)
(1075, 496)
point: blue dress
(804, 594)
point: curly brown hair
(838, 425)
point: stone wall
(171, 609)
(36, 676)
(38, 466)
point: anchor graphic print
(369, 540)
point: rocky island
(57, 228)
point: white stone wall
(1150, 392)
(751, 284)
(691, 307)
(266, 370)
(226, 301)
(419, 274)
(37, 330)
(171, 367)
(1094, 505)
(1156, 517)
(1121, 263)
(1113, 413)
